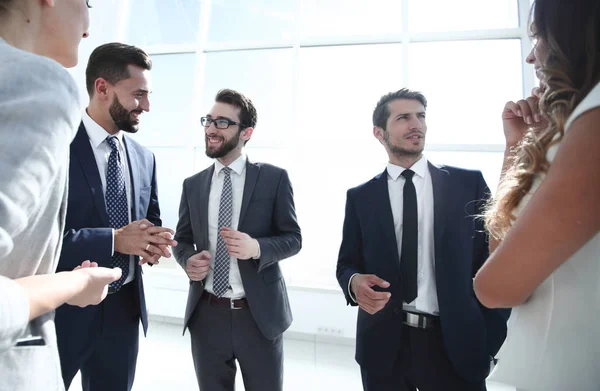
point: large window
(315, 70)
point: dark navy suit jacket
(472, 333)
(87, 233)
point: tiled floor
(165, 363)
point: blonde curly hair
(570, 30)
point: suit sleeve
(39, 113)
(495, 318)
(350, 255)
(184, 235)
(33, 152)
(93, 244)
(153, 214)
(287, 240)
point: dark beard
(121, 117)
(224, 149)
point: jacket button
(397, 311)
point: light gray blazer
(39, 115)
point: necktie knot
(226, 171)
(408, 174)
(112, 141)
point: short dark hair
(5, 6)
(248, 115)
(382, 110)
(110, 62)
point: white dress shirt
(426, 300)
(238, 179)
(102, 150)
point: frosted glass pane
(256, 20)
(266, 77)
(339, 88)
(160, 22)
(466, 84)
(321, 18)
(457, 15)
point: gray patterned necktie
(116, 205)
(221, 275)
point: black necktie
(408, 254)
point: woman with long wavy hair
(544, 221)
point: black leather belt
(420, 321)
(112, 291)
(234, 304)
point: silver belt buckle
(232, 305)
(412, 319)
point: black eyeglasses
(220, 123)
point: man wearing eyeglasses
(237, 220)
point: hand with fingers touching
(239, 244)
(197, 266)
(368, 299)
(86, 264)
(521, 116)
(159, 250)
(142, 238)
(93, 283)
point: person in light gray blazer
(39, 114)
(237, 220)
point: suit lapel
(385, 215)
(251, 178)
(203, 196)
(440, 179)
(83, 152)
(134, 174)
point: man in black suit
(237, 220)
(113, 218)
(411, 246)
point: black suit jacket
(472, 333)
(267, 214)
(87, 232)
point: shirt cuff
(258, 245)
(350, 293)
(112, 251)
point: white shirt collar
(238, 165)
(97, 133)
(420, 168)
